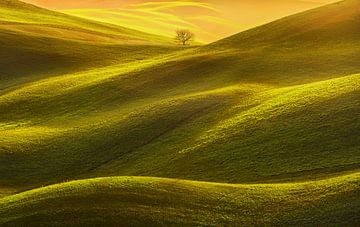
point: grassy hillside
(19, 12)
(279, 103)
(210, 20)
(316, 44)
(151, 201)
(203, 19)
(248, 122)
(39, 42)
(127, 132)
(332, 24)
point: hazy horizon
(210, 20)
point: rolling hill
(162, 202)
(39, 42)
(210, 20)
(270, 114)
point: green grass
(252, 108)
(154, 201)
(37, 43)
(14, 12)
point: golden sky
(65, 4)
(209, 19)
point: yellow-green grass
(42, 120)
(334, 24)
(37, 43)
(143, 201)
(210, 20)
(247, 114)
(164, 18)
(7, 191)
(230, 112)
(16, 12)
(301, 131)
(26, 58)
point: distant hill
(140, 201)
(19, 12)
(269, 116)
(210, 20)
(329, 25)
(229, 101)
(37, 41)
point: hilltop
(19, 12)
(39, 42)
(335, 24)
(244, 117)
(210, 20)
(268, 119)
(318, 44)
(153, 201)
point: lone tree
(184, 36)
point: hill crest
(314, 27)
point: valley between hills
(105, 125)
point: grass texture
(161, 202)
(271, 114)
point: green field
(262, 127)
(143, 201)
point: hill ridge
(314, 20)
(159, 201)
(279, 115)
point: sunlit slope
(328, 25)
(58, 4)
(314, 45)
(293, 132)
(203, 19)
(153, 201)
(26, 14)
(240, 133)
(210, 20)
(240, 114)
(38, 42)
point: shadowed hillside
(278, 103)
(39, 42)
(152, 201)
(232, 106)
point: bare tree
(184, 36)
